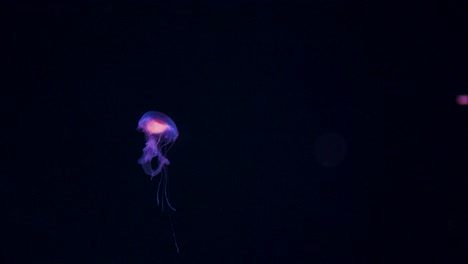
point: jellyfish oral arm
(149, 152)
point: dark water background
(310, 132)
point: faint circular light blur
(462, 99)
(330, 149)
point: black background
(252, 86)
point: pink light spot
(462, 99)
(155, 127)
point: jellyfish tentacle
(165, 193)
(159, 188)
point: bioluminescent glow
(462, 99)
(160, 132)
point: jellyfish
(160, 132)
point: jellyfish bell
(154, 123)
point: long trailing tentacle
(165, 190)
(157, 193)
